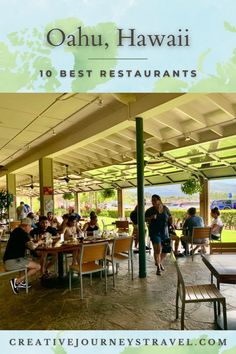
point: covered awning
(91, 138)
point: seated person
(42, 228)
(33, 219)
(40, 233)
(63, 225)
(72, 212)
(15, 254)
(216, 224)
(72, 229)
(53, 220)
(91, 225)
(176, 239)
(192, 220)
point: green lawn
(228, 236)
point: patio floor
(140, 304)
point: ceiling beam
(221, 102)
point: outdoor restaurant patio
(147, 303)
(58, 143)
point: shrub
(228, 218)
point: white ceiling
(90, 132)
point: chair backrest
(201, 232)
(122, 225)
(222, 247)
(221, 229)
(122, 244)
(93, 252)
(180, 279)
(14, 224)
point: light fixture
(53, 132)
(100, 102)
(187, 137)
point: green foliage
(108, 193)
(228, 218)
(68, 196)
(5, 201)
(109, 213)
(191, 186)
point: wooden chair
(220, 232)
(197, 293)
(4, 272)
(105, 226)
(200, 234)
(121, 251)
(89, 254)
(222, 247)
(122, 225)
(13, 225)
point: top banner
(122, 46)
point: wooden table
(223, 268)
(60, 251)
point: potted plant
(191, 186)
(68, 196)
(108, 193)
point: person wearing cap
(159, 218)
(15, 254)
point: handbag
(166, 245)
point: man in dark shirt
(190, 222)
(134, 219)
(15, 254)
(43, 227)
(41, 233)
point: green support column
(46, 185)
(140, 185)
(11, 188)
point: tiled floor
(139, 304)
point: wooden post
(204, 201)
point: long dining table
(60, 250)
(223, 268)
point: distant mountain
(168, 190)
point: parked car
(223, 204)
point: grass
(227, 235)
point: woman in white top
(216, 225)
